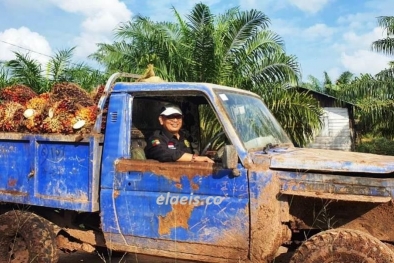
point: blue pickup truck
(66, 192)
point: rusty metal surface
(337, 187)
(332, 161)
(316, 213)
(267, 211)
(49, 137)
(172, 171)
(182, 251)
(189, 210)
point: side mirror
(230, 157)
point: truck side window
(211, 132)
(200, 123)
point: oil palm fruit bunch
(97, 93)
(12, 119)
(36, 112)
(85, 118)
(72, 92)
(17, 93)
(61, 117)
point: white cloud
(356, 54)
(101, 15)
(357, 21)
(364, 40)
(87, 44)
(318, 31)
(101, 18)
(364, 61)
(309, 6)
(286, 27)
(334, 73)
(23, 40)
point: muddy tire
(342, 246)
(26, 238)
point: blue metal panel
(15, 167)
(198, 209)
(109, 216)
(63, 171)
(50, 170)
(117, 136)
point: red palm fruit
(13, 118)
(34, 123)
(63, 106)
(72, 92)
(97, 93)
(61, 123)
(88, 114)
(39, 102)
(17, 93)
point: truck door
(197, 203)
(181, 208)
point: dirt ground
(81, 257)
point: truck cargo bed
(52, 170)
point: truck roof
(192, 86)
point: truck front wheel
(26, 238)
(342, 246)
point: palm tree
(374, 95)
(27, 71)
(374, 100)
(5, 76)
(234, 49)
(291, 108)
(385, 45)
(328, 86)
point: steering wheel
(204, 151)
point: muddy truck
(262, 195)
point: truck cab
(194, 204)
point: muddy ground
(81, 257)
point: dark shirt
(165, 147)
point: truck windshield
(253, 122)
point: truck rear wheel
(342, 246)
(26, 238)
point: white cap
(170, 109)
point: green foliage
(234, 49)
(373, 96)
(313, 83)
(291, 107)
(210, 127)
(27, 71)
(5, 77)
(385, 45)
(377, 146)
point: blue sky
(325, 35)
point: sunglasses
(174, 116)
